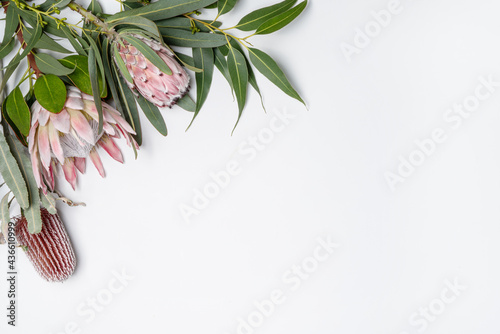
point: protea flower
(161, 89)
(68, 137)
(49, 251)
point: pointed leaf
(5, 215)
(179, 37)
(140, 22)
(48, 202)
(225, 6)
(238, 71)
(204, 59)
(49, 65)
(80, 77)
(11, 23)
(6, 48)
(162, 9)
(153, 114)
(280, 21)
(256, 18)
(270, 69)
(94, 82)
(149, 53)
(187, 103)
(185, 23)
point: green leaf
(282, 20)
(80, 76)
(94, 82)
(238, 71)
(109, 75)
(11, 23)
(49, 65)
(18, 111)
(268, 67)
(153, 114)
(185, 23)
(121, 64)
(50, 92)
(74, 41)
(225, 6)
(12, 174)
(56, 3)
(162, 9)
(130, 106)
(22, 138)
(32, 213)
(5, 214)
(140, 22)
(179, 37)
(98, 58)
(212, 6)
(204, 59)
(30, 44)
(48, 202)
(187, 61)
(95, 7)
(45, 42)
(187, 103)
(253, 20)
(221, 64)
(149, 53)
(5, 49)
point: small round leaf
(50, 92)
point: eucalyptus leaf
(187, 103)
(181, 22)
(18, 111)
(140, 22)
(5, 215)
(238, 71)
(204, 59)
(162, 9)
(11, 23)
(98, 58)
(153, 115)
(11, 174)
(94, 82)
(130, 107)
(45, 42)
(50, 92)
(179, 37)
(109, 75)
(74, 41)
(149, 53)
(121, 64)
(255, 19)
(270, 69)
(224, 6)
(282, 20)
(221, 64)
(6, 48)
(49, 65)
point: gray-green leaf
(149, 53)
(18, 111)
(270, 69)
(180, 37)
(253, 20)
(49, 65)
(153, 114)
(239, 76)
(282, 20)
(225, 6)
(12, 174)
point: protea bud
(49, 251)
(161, 89)
(68, 137)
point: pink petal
(70, 172)
(32, 136)
(81, 164)
(96, 160)
(81, 126)
(61, 121)
(44, 146)
(55, 143)
(74, 103)
(35, 164)
(43, 116)
(110, 146)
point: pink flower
(159, 88)
(69, 137)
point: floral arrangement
(63, 110)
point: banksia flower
(49, 251)
(69, 137)
(161, 89)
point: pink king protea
(161, 89)
(70, 136)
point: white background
(322, 176)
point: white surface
(323, 175)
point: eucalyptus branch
(90, 17)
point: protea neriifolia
(161, 89)
(69, 137)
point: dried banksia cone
(49, 251)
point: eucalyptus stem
(90, 17)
